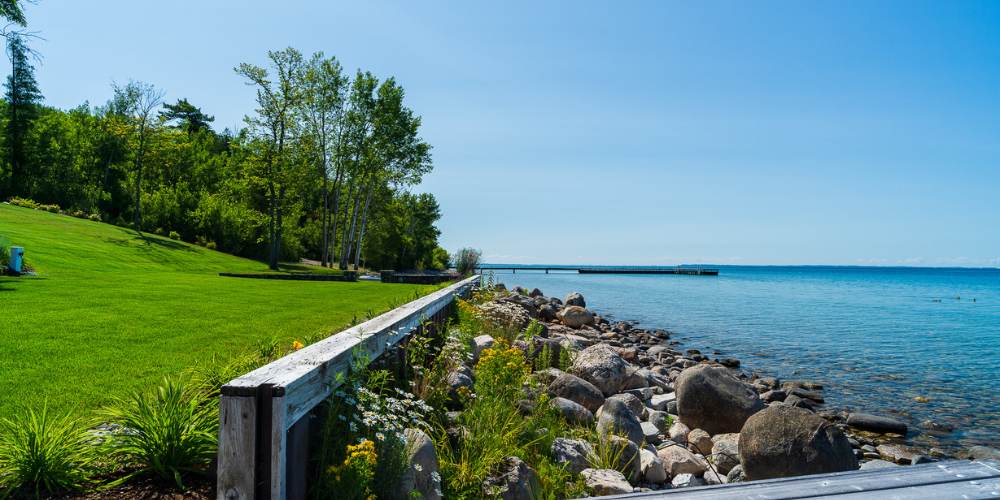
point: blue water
(875, 337)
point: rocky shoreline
(684, 418)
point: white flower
(417, 467)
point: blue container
(16, 259)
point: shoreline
(875, 434)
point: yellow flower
(297, 345)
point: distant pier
(690, 271)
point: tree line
(323, 167)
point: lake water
(875, 337)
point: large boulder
(573, 412)
(678, 460)
(574, 453)
(784, 441)
(712, 399)
(601, 482)
(577, 390)
(575, 299)
(421, 473)
(514, 481)
(614, 418)
(576, 317)
(601, 365)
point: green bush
(174, 235)
(42, 453)
(96, 217)
(170, 432)
(210, 245)
(466, 260)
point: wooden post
(237, 439)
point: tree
(190, 118)
(22, 97)
(11, 11)
(323, 107)
(139, 100)
(355, 151)
(276, 102)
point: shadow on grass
(149, 242)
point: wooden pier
(933, 481)
(689, 271)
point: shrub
(210, 245)
(353, 479)
(42, 453)
(467, 260)
(174, 235)
(170, 432)
(159, 231)
(96, 217)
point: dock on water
(691, 271)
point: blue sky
(627, 132)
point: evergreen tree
(22, 97)
(190, 118)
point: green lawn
(111, 312)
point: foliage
(467, 260)
(169, 433)
(44, 453)
(355, 477)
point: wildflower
(296, 345)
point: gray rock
(714, 476)
(628, 460)
(614, 418)
(548, 312)
(651, 432)
(600, 365)
(601, 482)
(774, 395)
(660, 401)
(678, 460)
(660, 419)
(514, 481)
(898, 453)
(633, 403)
(877, 464)
(876, 423)
(651, 467)
(712, 399)
(479, 344)
(535, 293)
(575, 453)
(575, 299)
(686, 480)
(578, 390)
(576, 317)
(735, 475)
(421, 473)
(726, 451)
(573, 412)
(783, 441)
(984, 453)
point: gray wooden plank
(980, 489)
(237, 431)
(872, 483)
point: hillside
(112, 311)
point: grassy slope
(111, 311)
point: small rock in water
(877, 464)
(876, 423)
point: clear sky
(627, 132)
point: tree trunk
(354, 228)
(137, 216)
(272, 257)
(364, 221)
(335, 211)
(342, 256)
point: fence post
(237, 450)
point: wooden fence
(263, 435)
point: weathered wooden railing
(263, 437)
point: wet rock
(651, 467)
(577, 390)
(515, 481)
(601, 482)
(575, 453)
(876, 423)
(573, 412)
(897, 453)
(576, 317)
(730, 362)
(614, 418)
(783, 441)
(800, 402)
(726, 451)
(774, 395)
(600, 365)
(421, 473)
(712, 399)
(678, 460)
(699, 442)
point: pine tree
(22, 97)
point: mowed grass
(111, 311)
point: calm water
(876, 337)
